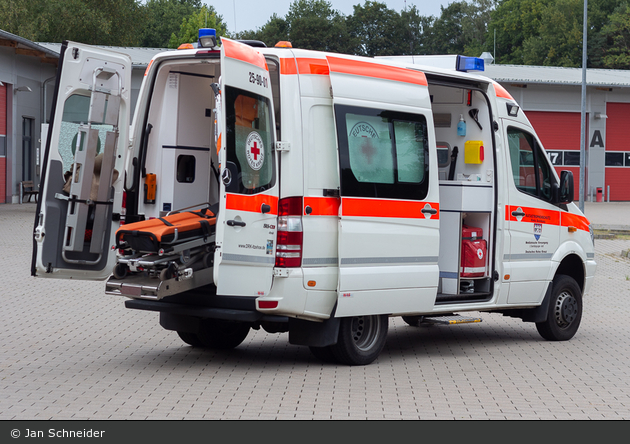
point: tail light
(289, 241)
(123, 210)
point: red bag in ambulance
(474, 250)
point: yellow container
(473, 151)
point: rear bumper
(202, 312)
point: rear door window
(249, 143)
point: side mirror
(566, 192)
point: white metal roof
(557, 75)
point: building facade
(552, 100)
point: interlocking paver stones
(68, 351)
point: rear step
(450, 320)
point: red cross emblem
(255, 151)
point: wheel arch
(572, 265)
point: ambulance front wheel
(565, 310)
(361, 339)
(223, 335)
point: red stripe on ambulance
(389, 208)
(253, 204)
(376, 70)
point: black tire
(324, 354)
(120, 271)
(222, 335)
(414, 321)
(565, 310)
(190, 338)
(361, 339)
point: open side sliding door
(246, 223)
(389, 213)
(83, 165)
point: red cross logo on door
(255, 151)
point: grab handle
(236, 223)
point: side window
(249, 141)
(382, 153)
(530, 169)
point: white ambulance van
(325, 193)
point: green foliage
(314, 24)
(163, 18)
(206, 17)
(376, 30)
(616, 53)
(540, 32)
(101, 22)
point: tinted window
(530, 168)
(186, 169)
(382, 153)
(572, 158)
(614, 159)
(249, 141)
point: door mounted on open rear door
(389, 214)
(83, 165)
(246, 223)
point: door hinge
(283, 146)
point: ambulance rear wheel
(189, 338)
(565, 310)
(222, 335)
(361, 339)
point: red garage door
(559, 133)
(617, 151)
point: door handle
(429, 211)
(517, 213)
(264, 208)
(236, 223)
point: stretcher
(170, 247)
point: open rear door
(246, 223)
(389, 214)
(83, 174)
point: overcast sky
(243, 15)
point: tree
(314, 24)
(462, 28)
(206, 17)
(416, 31)
(376, 30)
(275, 30)
(163, 18)
(21, 17)
(616, 53)
(558, 41)
(97, 22)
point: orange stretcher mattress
(153, 234)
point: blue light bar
(207, 37)
(466, 64)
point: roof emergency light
(466, 64)
(207, 37)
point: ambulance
(313, 193)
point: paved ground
(68, 351)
